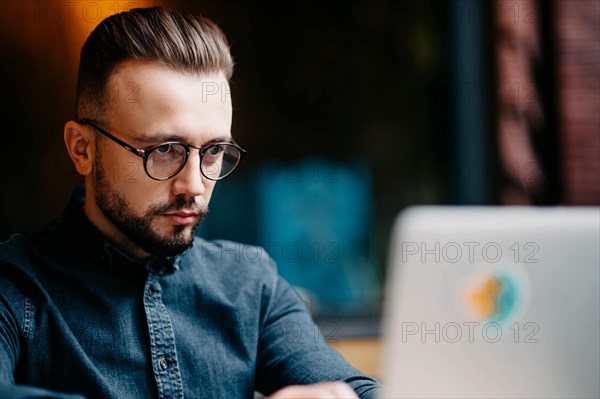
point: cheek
(130, 179)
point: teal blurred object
(314, 218)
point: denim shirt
(80, 318)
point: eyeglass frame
(144, 154)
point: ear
(80, 144)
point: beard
(138, 229)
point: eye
(214, 150)
(163, 149)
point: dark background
(407, 88)
(333, 79)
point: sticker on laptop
(498, 293)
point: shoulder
(20, 263)
(15, 255)
(15, 277)
(13, 245)
(20, 249)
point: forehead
(148, 98)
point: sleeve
(292, 350)
(9, 333)
(12, 306)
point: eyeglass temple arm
(138, 152)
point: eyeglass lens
(217, 160)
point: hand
(324, 390)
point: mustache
(180, 204)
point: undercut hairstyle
(190, 44)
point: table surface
(362, 353)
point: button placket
(162, 341)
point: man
(118, 298)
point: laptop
(493, 302)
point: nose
(190, 181)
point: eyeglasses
(163, 161)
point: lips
(182, 217)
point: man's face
(151, 104)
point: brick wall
(577, 24)
(520, 116)
(548, 104)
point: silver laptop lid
(493, 302)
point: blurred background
(350, 112)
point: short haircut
(186, 43)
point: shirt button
(155, 288)
(162, 362)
